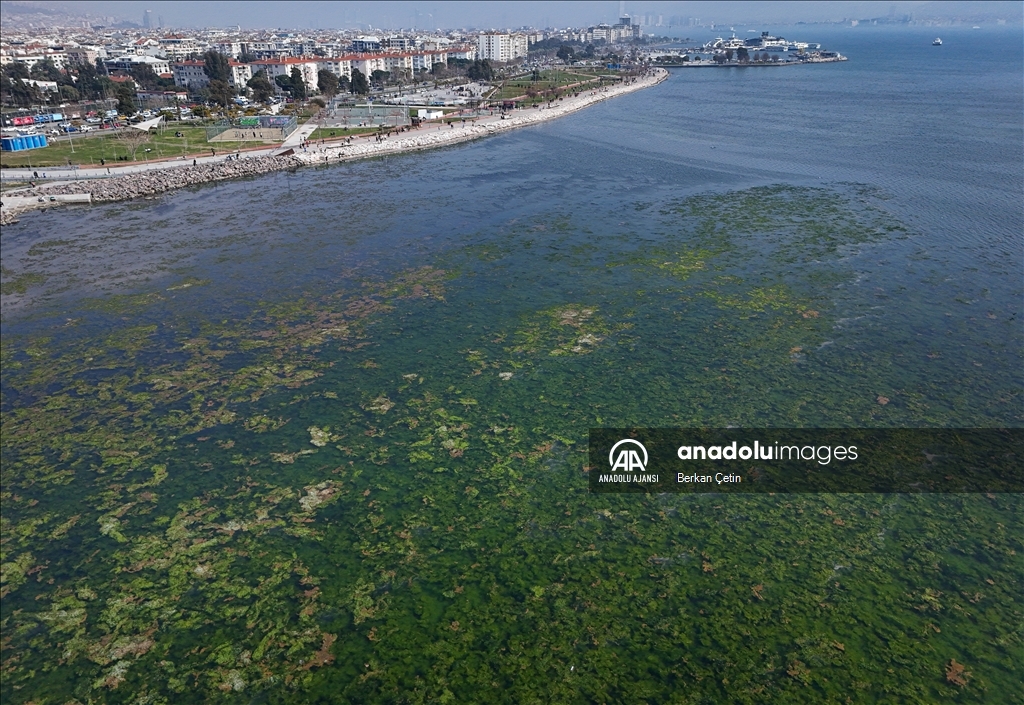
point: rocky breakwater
(147, 183)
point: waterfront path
(135, 180)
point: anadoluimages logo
(627, 459)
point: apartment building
(502, 47)
(191, 74)
(176, 47)
(129, 63)
(283, 66)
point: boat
(937, 42)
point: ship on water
(937, 42)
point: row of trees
(743, 56)
(567, 53)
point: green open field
(339, 133)
(91, 148)
(549, 79)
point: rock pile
(121, 188)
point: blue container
(18, 144)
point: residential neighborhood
(59, 83)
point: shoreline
(175, 175)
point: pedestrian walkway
(296, 138)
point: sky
(428, 14)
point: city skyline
(450, 15)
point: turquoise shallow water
(322, 435)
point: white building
(129, 63)
(283, 67)
(338, 65)
(400, 43)
(468, 52)
(191, 74)
(229, 49)
(84, 54)
(368, 63)
(50, 86)
(502, 47)
(176, 47)
(361, 44)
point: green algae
(14, 283)
(437, 541)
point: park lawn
(90, 148)
(549, 80)
(338, 133)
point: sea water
(322, 434)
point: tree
(220, 92)
(70, 94)
(359, 84)
(566, 53)
(261, 87)
(16, 91)
(480, 71)
(535, 76)
(216, 66)
(46, 70)
(246, 58)
(298, 85)
(379, 77)
(328, 83)
(17, 69)
(126, 99)
(132, 138)
(146, 77)
(742, 55)
(318, 102)
(728, 54)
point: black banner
(806, 460)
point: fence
(368, 116)
(271, 128)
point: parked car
(93, 121)
(86, 128)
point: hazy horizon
(483, 15)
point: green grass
(519, 86)
(91, 148)
(339, 133)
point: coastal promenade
(137, 180)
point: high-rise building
(502, 47)
(147, 19)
